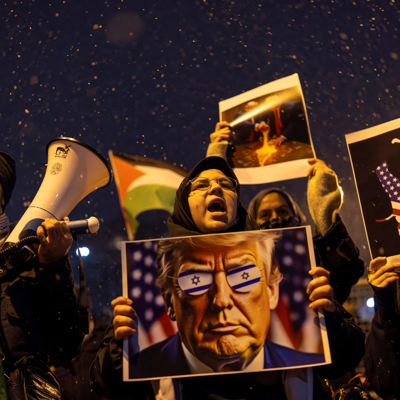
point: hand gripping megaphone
(73, 171)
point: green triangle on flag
(144, 184)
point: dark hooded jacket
(335, 251)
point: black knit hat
(7, 176)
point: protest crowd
(222, 328)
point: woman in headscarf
(199, 211)
(275, 208)
(335, 250)
(195, 212)
(207, 201)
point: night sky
(145, 78)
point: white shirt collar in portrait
(197, 367)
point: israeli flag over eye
(195, 282)
(244, 278)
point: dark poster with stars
(192, 280)
(374, 153)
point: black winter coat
(39, 314)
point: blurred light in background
(370, 302)
(124, 28)
(84, 251)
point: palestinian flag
(144, 184)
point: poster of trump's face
(204, 305)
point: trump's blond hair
(170, 252)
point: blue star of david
(196, 280)
(245, 275)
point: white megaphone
(73, 171)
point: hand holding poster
(271, 137)
(219, 291)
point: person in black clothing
(346, 339)
(382, 353)
(39, 313)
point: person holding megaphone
(39, 312)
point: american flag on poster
(374, 155)
(154, 324)
(294, 263)
(292, 314)
(391, 185)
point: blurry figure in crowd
(275, 208)
(39, 312)
(382, 353)
(194, 213)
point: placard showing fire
(271, 138)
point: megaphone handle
(90, 225)
(82, 296)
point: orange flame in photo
(266, 151)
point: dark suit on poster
(293, 120)
(166, 358)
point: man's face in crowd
(214, 209)
(224, 328)
(273, 206)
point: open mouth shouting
(217, 207)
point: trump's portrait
(220, 291)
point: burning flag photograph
(199, 299)
(374, 155)
(271, 138)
